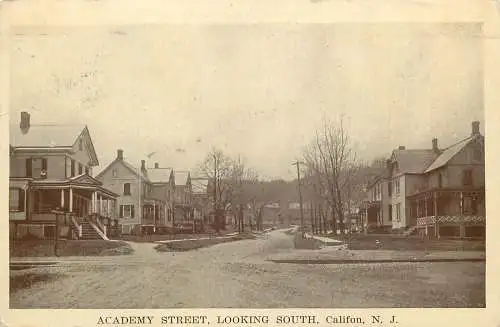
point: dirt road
(234, 275)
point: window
(389, 186)
(396, 186)
(440, 180)
(16, 199)
(115, 172)
(467, 178)
(87, 170)
(390, 212)
(398, 212)
(80, 169)
(127, 211)
(36, 167)
(72, 167)
(126, 189)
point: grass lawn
(45, 248)
(412, 243)
(196, 244)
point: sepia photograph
(277, 165)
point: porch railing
(450, 219)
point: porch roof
(80, 181)
(447, 190)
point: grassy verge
(401, 243)
(45, 248)
(189, 245)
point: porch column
(70, 199)
(154, 217)
(435, 204)
(99, 208)
(461, 203)
(425, 206)
(418, 208)
(62, 198)
(93, 202)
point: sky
(257, 90)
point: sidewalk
(332, 255)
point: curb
(355, 261)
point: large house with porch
(439, 192)
(51, 179)
(140, 209)
(163, 187)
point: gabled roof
(414, 161)
(449, 153)
(199, 185)
(181, 178)
(135, 170)
(159, 175)
(50, 137)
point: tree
(332, 164)
(227, 178)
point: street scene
(232, 167)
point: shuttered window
(127, 211)
(16, 199)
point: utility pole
(297, 163)
(216, 211)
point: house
(51, 178)
(141, 210)
(439, 192)
(376, 210)
(163, 187)
(183, 218)
(202, 201)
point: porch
(80, 208)
(448, 213)
(154, 214)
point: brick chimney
(475, 128)
(119, 154)
(156, 165)
(401, 147)
(435, 146)
(25, 122)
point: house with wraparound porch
(51, 178)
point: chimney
(475, 128)
(25, 122)
(143, 165)
(401, 147)
(156, 165)
(435, 146)
(119, 154)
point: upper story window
(389, 186)
(477, 154)
(80, 169)
(396, 186)
(126, 189)
(87, 170)
(115, 172)
(467, 178)
(73, 167)
(440, 180)
(36, 167)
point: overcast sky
(255, 90)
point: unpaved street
(233, 275)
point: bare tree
(227, 178)
(332, 163)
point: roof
(449, 153)
(414, 161)
(134, 170)
(45, 136)
(199, 185)
(181, 177)
(159, 175)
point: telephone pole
(297, 163)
